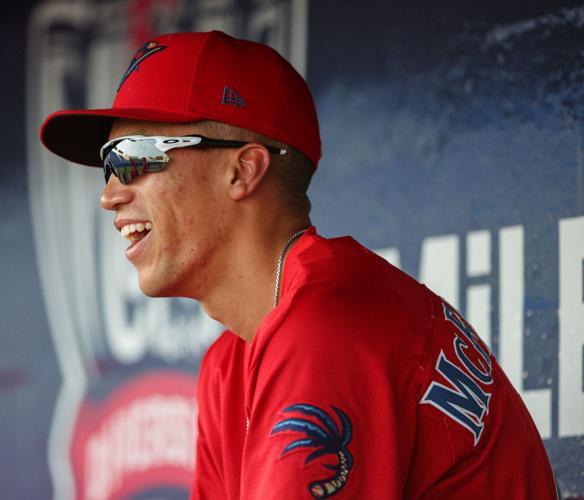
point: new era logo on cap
(232, 97)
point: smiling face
(178, 220)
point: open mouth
(136, 234)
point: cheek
(190, 233)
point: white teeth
(135, 228)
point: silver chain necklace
(289, 241)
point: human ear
(250, 167)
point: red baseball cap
(187, 77)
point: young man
(343, 376)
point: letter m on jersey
(464, 401)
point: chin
(152, 292)
(155, 288)
(161, 288)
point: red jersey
(361, 384)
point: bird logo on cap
(148, 49)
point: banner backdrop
(453, 146)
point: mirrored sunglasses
(133, 155)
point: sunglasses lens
(133, 157)
(107, 171)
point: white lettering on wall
(478, 296)
(440, 266)
(511, 332)
(571, 327)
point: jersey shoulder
(353, 282)
(344, 301)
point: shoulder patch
(324, 437)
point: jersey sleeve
(331, 403)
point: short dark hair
(292, 171)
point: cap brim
(78, 134)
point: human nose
(115, 193)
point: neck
(244, 293)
